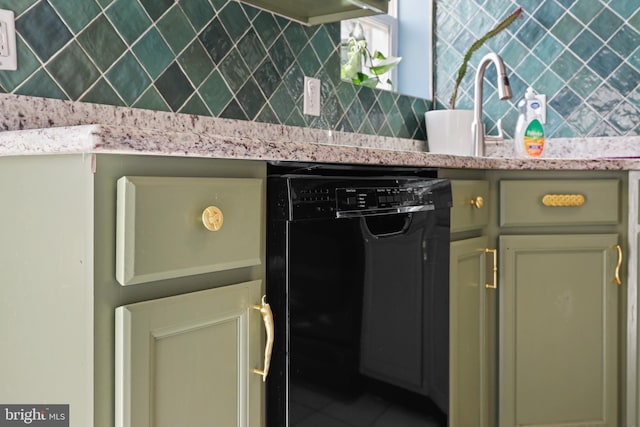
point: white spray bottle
(529, 135)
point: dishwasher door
(365, 304)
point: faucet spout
(504, 92)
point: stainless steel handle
(267, 319)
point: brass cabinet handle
(478, 202)
(495, 269)
(212, 218)
(617, 280)
(563, 200)
(267, 318)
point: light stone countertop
(35, 126)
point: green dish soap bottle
(529, 136)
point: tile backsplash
(583, 54)
(222, 58)
(217, 58)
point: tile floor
(312, 408)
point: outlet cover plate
(311, 96)
(8, 52)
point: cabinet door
(558, 330)
(187, 360)
(469, 354)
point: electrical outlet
(311, 96)
(8, 53)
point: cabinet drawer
(470, 209)
(161, 233)
(559, 202)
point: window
(380, 33)
(404, 32)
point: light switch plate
(8, 52)
(311, 96)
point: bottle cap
(530, 93)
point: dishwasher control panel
(312, 197)
(368, 199)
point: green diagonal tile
(233, 111)
(199, 12)
(176, 29)
(282, 103)
(196, 62)
(308, 61)
(102, 93)
(43, 30)
(251, 49)
(296, 37)
(174, 87)
(155, 8)
(196, 106)
(128, 18)
(234, 71)
(101, 41)
(215, 93)
(234, 19)
(322, 44)
(41, 84)
(250, 99)
(73, 70)
(76, 13)
(152, 100)
(266, 28)
(128, 78)
(153, 53)
(267, 116)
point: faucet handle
(496, 138)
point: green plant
(359, 58)
(477, 45)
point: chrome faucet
(504, 92)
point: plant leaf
(364, 80)
(477, 45)
(381, 66)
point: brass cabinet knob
(212, 218)
(478, 202)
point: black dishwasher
(358, 280)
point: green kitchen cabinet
(320, 12)
(559, 298)
(558, 328)
(471, 304)
(470, 334)
(141, 354)
(155, 242)
(201, 346)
